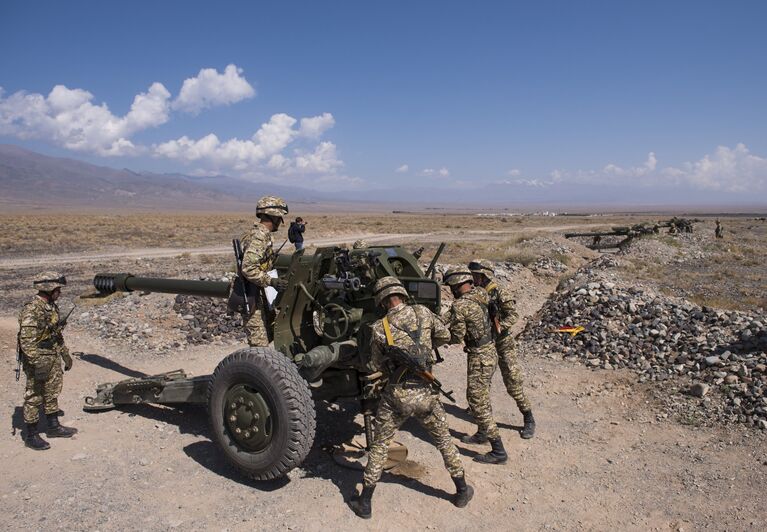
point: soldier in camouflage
(504, 316)
(41, 346)
(258, 260)
(415, 329)
(469, 320)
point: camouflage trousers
(255, 329)
(481, 367)
(397, 405)
(511, 372)
(42, 392)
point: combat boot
(463, 492)
(33, 439)
(361, 505)
(496, 456)
(56, 430)
(477, 437)
(529, 429)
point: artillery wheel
(261, 412)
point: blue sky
(663, 97)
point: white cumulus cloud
(263, 150)
(444, 172)
(210, 88)
(735, 170)
(514, 172)
(315, 126)
(69, 118)
(402, 169)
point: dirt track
(155, 253)
(600, 460)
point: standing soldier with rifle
(257, 260)
(470, 323)
(41, 350)
(504, 316)
(402, 346)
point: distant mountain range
(29, 179)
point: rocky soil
(680, 345)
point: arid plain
(614, 449)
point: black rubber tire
(289, 400)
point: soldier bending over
(415, 329)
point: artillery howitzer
(261, 400)
(679, 225)
(619, 237)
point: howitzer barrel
(109, 283)
(573, 235)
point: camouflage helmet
(388, 286)
(483, 266)
(48, 281)
(272, 206)
(359, 244)
(457, 275)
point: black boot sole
(482, 459)
(37, 448)
(55, 435)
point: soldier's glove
(278, 284)
(67, 360)
(42, 367)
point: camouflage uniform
(505, 344)
(258, 260)
(470, 323)
(410, 396)
(43, 346)
(360, 244)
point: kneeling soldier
(42, 348)
(502, 301)
(470, 324)
(413, 329)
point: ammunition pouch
(48, 343)
(480, 342)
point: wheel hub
(248, 418)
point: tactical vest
(400, 373)
(476, 341)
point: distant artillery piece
(622, 236)
(625, 235)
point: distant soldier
(470, 323)
(360, 244)
(41, 346)
(416, 330)
(719, 231)
(258, 260)
(504, 315)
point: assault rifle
(418, 368)
(238, 255)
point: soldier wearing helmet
(258, 260)
(41, 346)
(505, 316)
(416, 330)
(470, 323)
